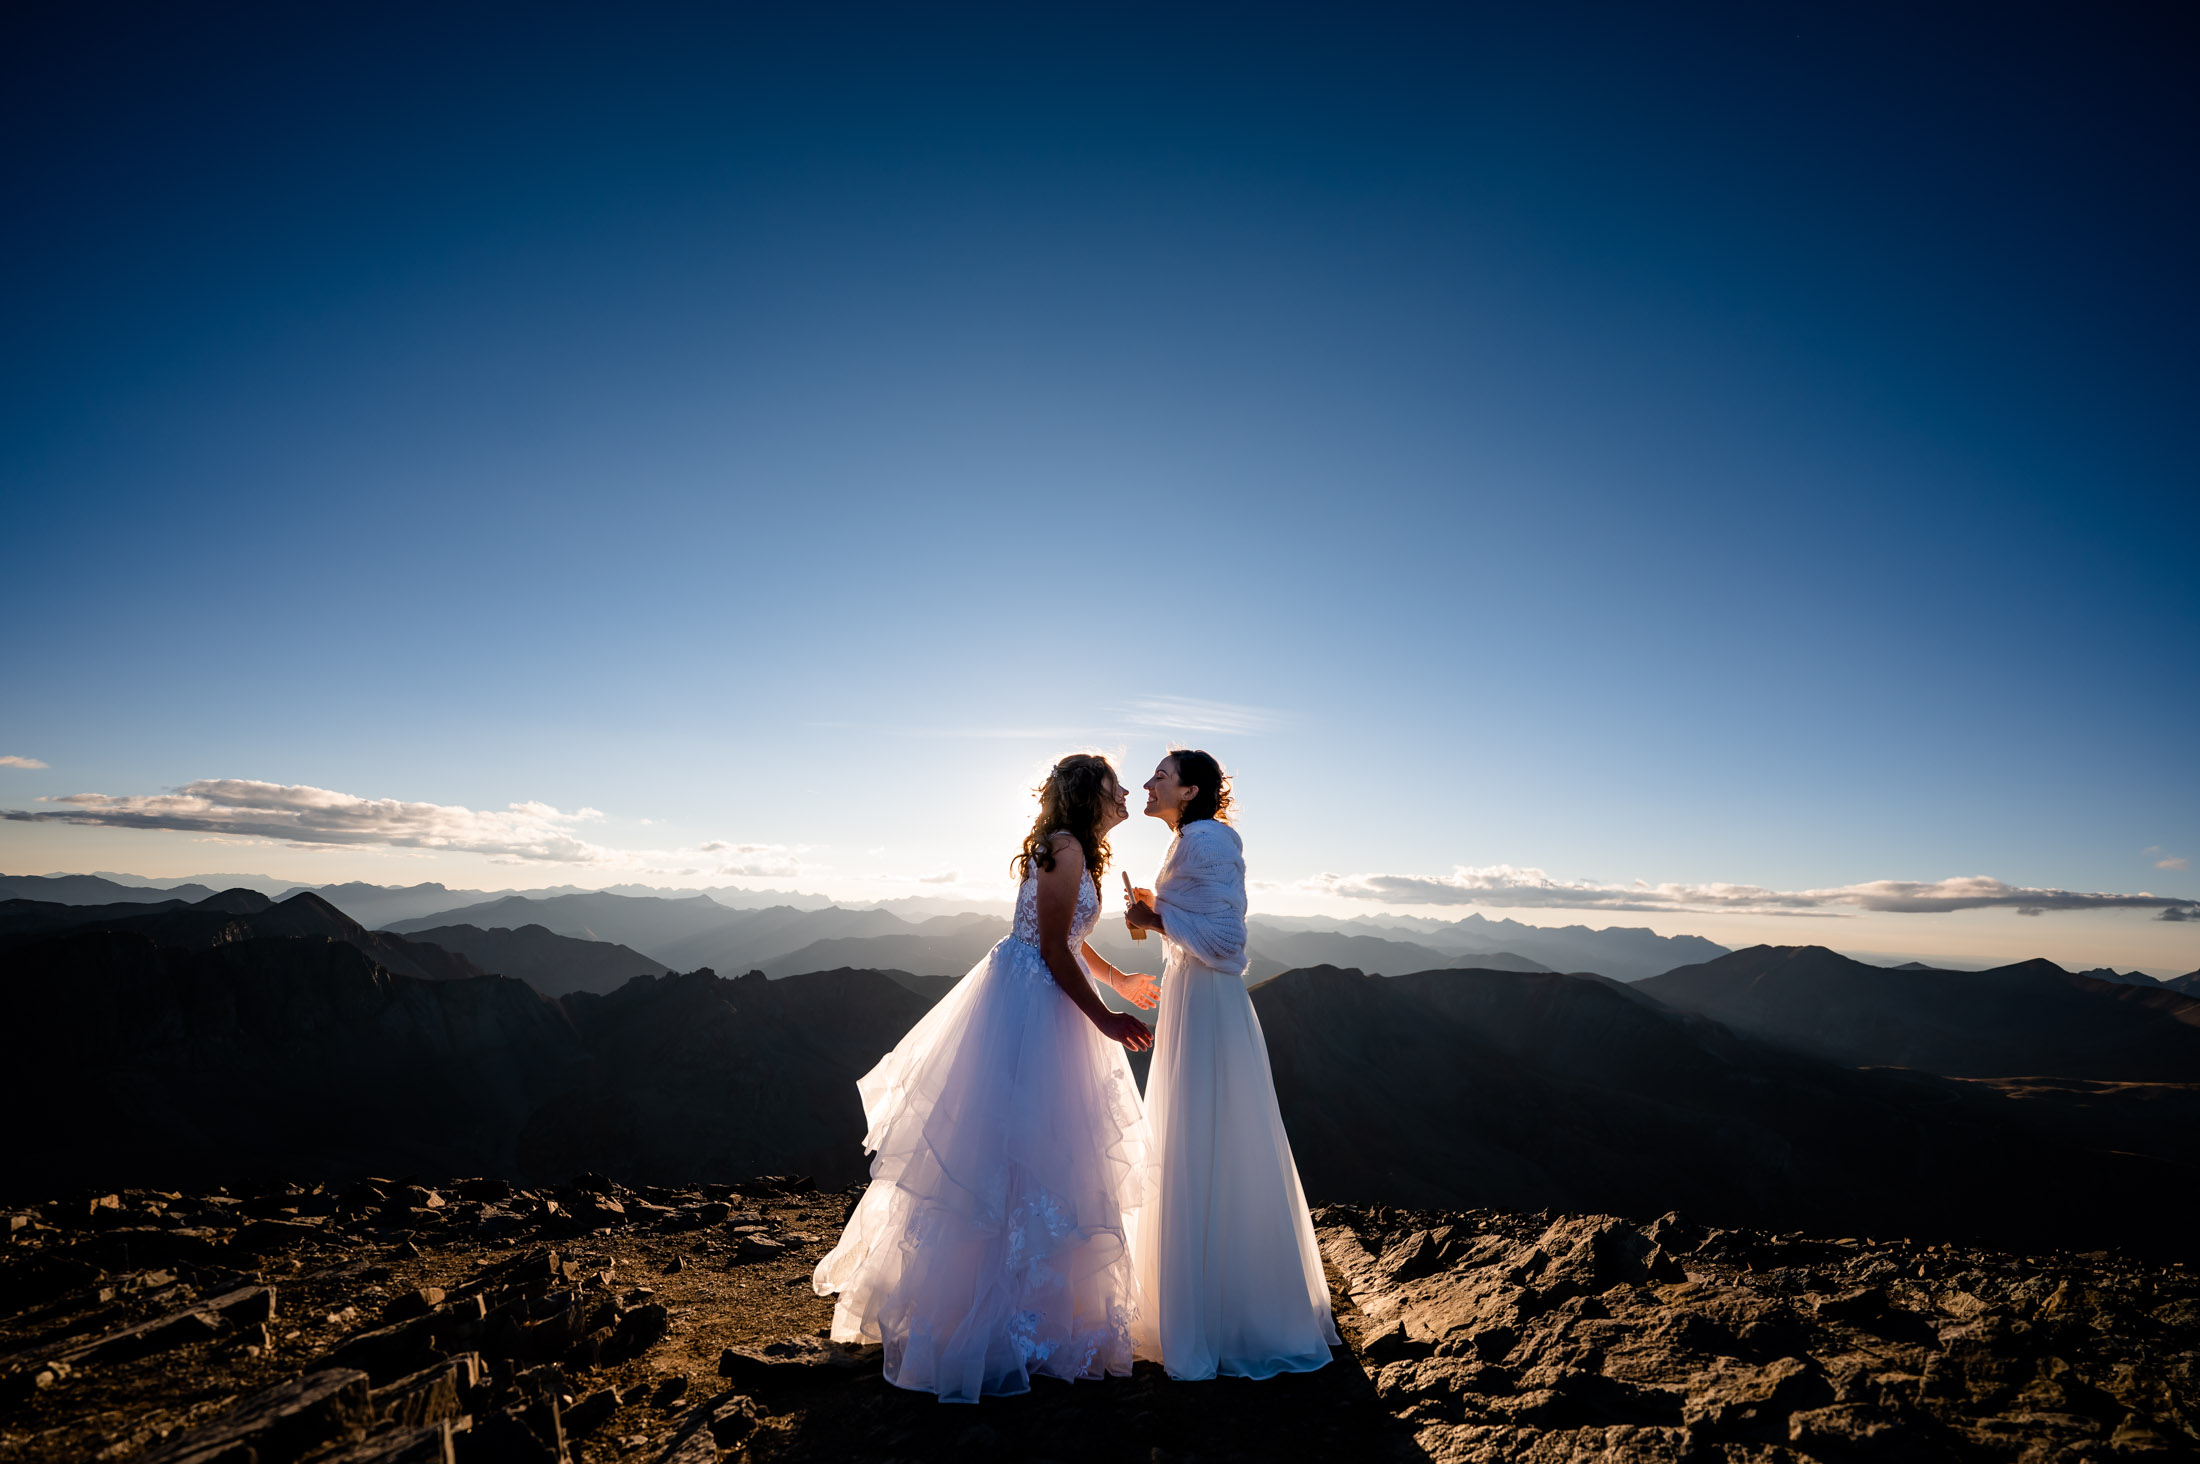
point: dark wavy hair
(1071, 801)
(1201, 771)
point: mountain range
(555, 965)
(1527, 1091)
(1624, 953)
(93, 889)
(231, 917)
(195, 1043)
(683, 929)
(686, 934)
(2028, 1019)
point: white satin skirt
(1011, 1177)
(1227, 1259)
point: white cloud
(300, 814)
(1505, 885)
(245, 809)
(1188, 714)
(945, 876)
(12, 761)
(2175, 862)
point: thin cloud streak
(244, 808)
(1189, 714)
(1506, 885)
(12, 761)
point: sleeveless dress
(1228, 1260)
(995, 1239)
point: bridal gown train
(1227, 1260)
(995, 1239)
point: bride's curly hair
(1202, 771)
(1071, 801)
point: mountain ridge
(1532, 1091)
(231, 917)
(555, 965)
(2031, 1018)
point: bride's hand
(1137, 988)
(1124, 1028)
(1142, 915)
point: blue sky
(1749, 451)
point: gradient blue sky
(1750, 448)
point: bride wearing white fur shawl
(1226, 1256)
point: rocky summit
(399, 1320)
(1501, 1336)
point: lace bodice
(1026, 928)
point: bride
(1227, 1257)
(995, 1239)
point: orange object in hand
(1130, 897)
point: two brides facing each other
(1029, 1212)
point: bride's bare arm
(1135, 987)
(1057, 913)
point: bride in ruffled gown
(995, 1239)
(1227, 1257)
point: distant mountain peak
(237, 902)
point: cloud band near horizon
(533, 833)
(301, 814)
(1505, 885)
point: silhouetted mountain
(931, 988)
(1529, 1091)
(551, 963)
(2187, 984)
(919, 908)
(692, 1076)
(381, 906)
(2119, 978)
(644, 923)
(298, 1055)
(91, 889)
(303, 1056)
(1285, 949)
(378, 907)
(694, 933)
(730, 896)
(1387, 956)
(757, 939)
(1624, 953)
(949, 954)
(2032, 1018)
(226, 919)
(1500, 961)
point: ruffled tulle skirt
(1228, 1256)
(995, 1240)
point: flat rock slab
(196, 1323)
(281, 1423)
(427, 1444)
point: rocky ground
(1519, 1337)
(398, 1321)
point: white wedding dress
(1227, 1257)
(995, 1239)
